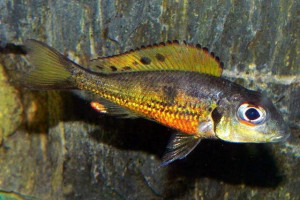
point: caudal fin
(51, 70)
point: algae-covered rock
(9, 195)
(56, 147)
(10, 107)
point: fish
(178, 85)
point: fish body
(169, 98)
(191, 98)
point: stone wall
(54, 146)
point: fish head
(249, 118)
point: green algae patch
(5, 195)
(10, 107)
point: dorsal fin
(169, 56)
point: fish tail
(51, 70)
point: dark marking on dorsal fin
(162, 57)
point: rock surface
(54, 146)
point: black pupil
(252, 114)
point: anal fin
(179, 147)
(104, 106)
(110, 108)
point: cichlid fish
(177, 85)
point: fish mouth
(280, 138)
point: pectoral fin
(179, 147)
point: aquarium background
(54, 146)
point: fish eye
(251, 114)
